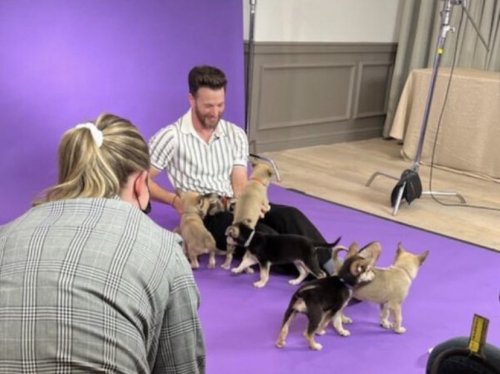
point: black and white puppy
(322, 300)
(267, 249)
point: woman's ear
(141, 187)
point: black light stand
(249, 65)
(410, 178)
(248, 85)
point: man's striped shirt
(193, 165)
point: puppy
(391, 285)
(322, 300)
(252, 204)
(269, 249)
(197, 239)
(211, 204)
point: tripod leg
(398, 200)
(441, 193)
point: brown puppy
(323, 300)
(251, 205)
(197, 239)
(391, 285)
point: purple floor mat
(241, 323)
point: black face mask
(147, 209)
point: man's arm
(160, 194)
(239, 179)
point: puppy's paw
(346, 319)
(321, 332)
(226, 265)
(259, 284)
(211, 265)
(343, 332)
(236, 270)
(400, 330)
(386, 324)
(249, 270)
(294, 282)
(280, 343)
(315, 346)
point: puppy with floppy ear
(322, 300)
(197, 239)
(252, 204)
(391, 285)
(268, 249)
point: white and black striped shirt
(193, 165)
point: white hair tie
(94, 131)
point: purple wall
(63, 62)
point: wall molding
(305, 94)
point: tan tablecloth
(469, 137)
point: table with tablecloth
(469, 136)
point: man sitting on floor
(204, 153)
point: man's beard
(207, 122)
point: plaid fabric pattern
(93, 286)
(193, 165)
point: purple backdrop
(63, 62)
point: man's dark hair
(206, 76)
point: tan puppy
(197, 239)
(252, 204)
(390, 286)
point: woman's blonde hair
(90, 169)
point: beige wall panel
(298, 95)
(305, 94)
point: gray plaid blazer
(94, 285)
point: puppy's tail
(327, 245)
(337, 264)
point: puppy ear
(372, 252)
(179, 192)
(353, 250)
(356, 267)
(423, 256)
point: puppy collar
(258, 181)
(345, 283)
(249, 240)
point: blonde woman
(88, 283)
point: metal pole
(445, 28)
(249, 66)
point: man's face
(208, 106)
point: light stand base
(402, 188)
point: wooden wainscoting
(305, 94)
